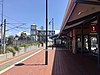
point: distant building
(40, 34)
(33, 32)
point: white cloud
(9, 33)
(19, 33)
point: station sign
(93, 28)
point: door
(94, 44)
(79, 43)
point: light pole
(52, 30)
(46, 51)
(52, 21)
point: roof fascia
(82, 18)
(84, 22)
(67, 14)
(89, 2)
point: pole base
(46, 57)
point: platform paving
(61, 62)
(10, 61)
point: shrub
(11, 49)
(1, 50)
(35, 43)
(25, 45)
(16, 48)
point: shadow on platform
(22, 64)
(66, 63)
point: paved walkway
(33, 66)
(11, 61)
(61, 62)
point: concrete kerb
(9, 64)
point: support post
(89, 42)
(82, 40)
(98, 37)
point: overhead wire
(17, 22)
(13, 24)
(12, 29)
(12, 19)
(15, 27)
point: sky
(20, 14)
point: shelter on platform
(81, 25)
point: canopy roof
(78, 11)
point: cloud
(19, 33)
(9, 33)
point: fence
(23, 50)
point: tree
(10, 40)
(16, 36)
(28, 37)
(23, 36)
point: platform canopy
(78, 12)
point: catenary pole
(4, 44)
(1, 24)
